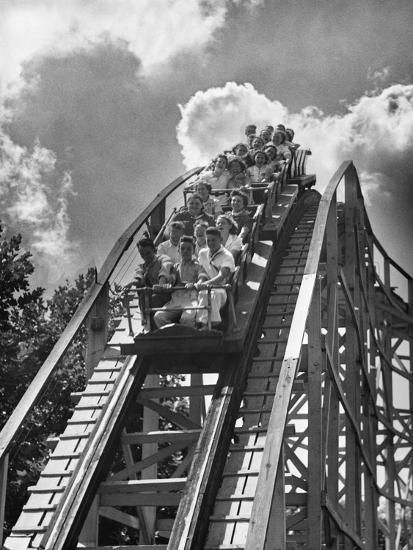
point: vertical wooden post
(97, 329)
(127, 454)
(352, 364)
(410, 311)
(89, 536)
(314, 540)
(388, 392)
(197, 403)
(332, 342)
(4, 467)
(371, 495)
(150, 423)
(276, 534)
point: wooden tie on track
(48, 492)
(228, 524)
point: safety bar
(146, 308)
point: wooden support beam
(142, 485)
(89, 535)
(341, 523)
(315, 462)
(119, 516)
(277, 532)
(150, 460)
(97, 330)
(159, 436)
(194, 390)
(176, 418)
(150, 422)
(4, 468)
(127, 454)
(196, 400)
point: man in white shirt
(217, 266)
(170, 247)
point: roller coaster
(298, 432)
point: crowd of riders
(205, 237)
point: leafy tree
(29, 327)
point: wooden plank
(142, 485)
(121, 517)
(97, 328)
(144, 500)
(176, 418)
(343, 526)
(315, 463)
(149, 467)
(164, 436)
(150, 460)
(106, 513)
(178, 391)
(4, 467)
(277, 532)
(67, 520)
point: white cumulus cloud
(376, 131)
(34, 200)
(154, 30)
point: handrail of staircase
(34, 392)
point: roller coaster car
(177, 338)
(180, 338)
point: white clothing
(217, 181)
(257, 174)
(170, 250)
(212, 265)
(283, 152)
(180, 299)
(233, 243)
(218, 300)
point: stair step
(243, 411)
(42, 490)
(229, 518)
(27, 529)
(66, 456)
(79, 422)
(43, 508)
(89, 407)
(258, 393)
(263, 376)
(246, 448)
(66, 473)
(82, 435)
(241, 473)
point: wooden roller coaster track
(307, 440)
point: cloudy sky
(102, 103)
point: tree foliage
(30, 325)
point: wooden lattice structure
(302, 440)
